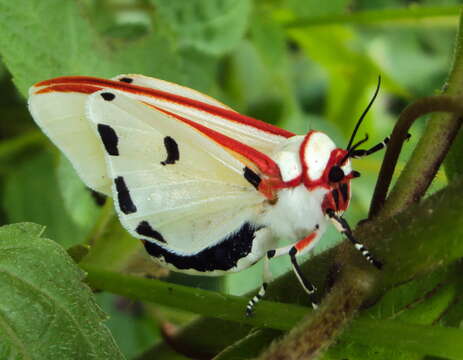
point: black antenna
(364, 113)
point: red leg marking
(302, 244)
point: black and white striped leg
(257, 298)
(360, 153)
(293, 251)
(308, 287)
(267, 277)
(343, 227)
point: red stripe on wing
(140, 90)
(80, 88)
(262, 161)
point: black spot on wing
(108, 96)
(123, 196)
(222, 256)
(252, 177)
(144, 228)
(126, 80)
(172, 151)
(344, 191)
(109, 138)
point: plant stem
(411, 14)
(9, 148)
(442, 103)
(433, 145)
(317, 332)
(285, 316)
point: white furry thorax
(296, 213)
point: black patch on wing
(252, 177)
(126, 80)
(172, 151)
(108, 96)
(344, 191)
(222, 256)
(123, 196)
(144, 228)
(109, 138)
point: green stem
(412, 112)
(198, 301)
(277, 315)
(412, 14)
(433, 145)
(9, 148)
(101, 225)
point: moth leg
(266, 278)
(343, 227)
(360, 153)
(292, 250)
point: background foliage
(300, 64)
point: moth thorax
(316, 152)
(288, 159)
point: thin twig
(423, 106)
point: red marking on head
(304, 165)
(335, 158)
(343, 189)
(182, 100)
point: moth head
(338, 171)
(326, 166)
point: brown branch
(307, 340)
(426, 105)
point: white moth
(205, 188)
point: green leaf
(46, 312)
(41, 39)
(77, 198)
(314, 8)
(33, 53)
(133, 332)
(352, 80)
(422, 301)
(269, 39)
(32, 194)
(214, 26)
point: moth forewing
(61, 116)
(169, 87)
(185, 194)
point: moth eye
(336, 174)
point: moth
(206, 189)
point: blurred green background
(299, 64)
